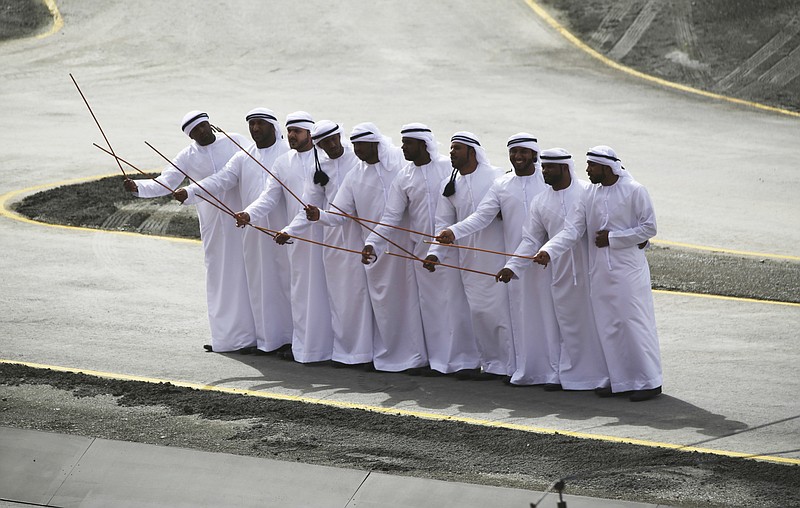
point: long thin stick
(98, 125)
(383, 224)
(260, 164)
(443, 264)
(120, 159)
(273, 232)
(190, 178)
(467, 247)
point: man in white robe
(312, 336)
(399, 344)
(536, 338)
(229, 314)
(617, 215)
(449, 338)
(351, 309)
(582, 364)
(471, 179)
(266, 265)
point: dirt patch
(749, 49)
(21, 18)
(169, 415)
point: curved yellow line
(58, 21)
(616, 65)
(721, 297)
(405, 412)
(5, 211)
(726, 251)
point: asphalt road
(720, 175)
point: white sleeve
(487, 210)
(645, 228)
(392, 215)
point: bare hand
(446, 236)
(601, 238)
(180, 195)
(542, 258)
(429, 263)
(130, 185)
(504, 275)
(281, 238)
(368, 254)
(242, 219)
(312, 213)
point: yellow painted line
(726, 251)
(721, 297)
(58, 21)
(5, 211)
(405, 412)
(632, 72)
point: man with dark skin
(617, 214)
(230, 316)
(267, 266)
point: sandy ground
(179, 417)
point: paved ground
(721, 175)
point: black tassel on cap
(320, 177)
(450, 188)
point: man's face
(553, 173)
(298, 138)
(596, 171)
(367, 151)
(413, 148)
(459, 155)
(261, 130)
(203, 134)
(521, 158)
(332, 145)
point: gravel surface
(22, 18)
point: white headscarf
(559, 156)
(324, 129)
(526, 140)
(606, 156)
(266, 115)
(470, 139)
(192, 119)
(368, 132)
(300, 119)
(422, 132)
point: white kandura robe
(449, 339)
(582, 364)
(488, 300)
(399, 343)
(312, 337)
(265, 262)
(351, 309)
(619, 278)
(536, 337)
(229, 314)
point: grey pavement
(58, 470)
(720, 175)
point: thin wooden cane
(443, 264)
(190, 178)
(467, 247)
(98, 125)
(260, 164)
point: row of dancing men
(437, 238)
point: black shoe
(553, 387)
(208, 348)
(429, 372)
(466, 374)
(368, 367)
(507, 381)
(603, 392)
(286, 355)
(246, 350)
(640, 395)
